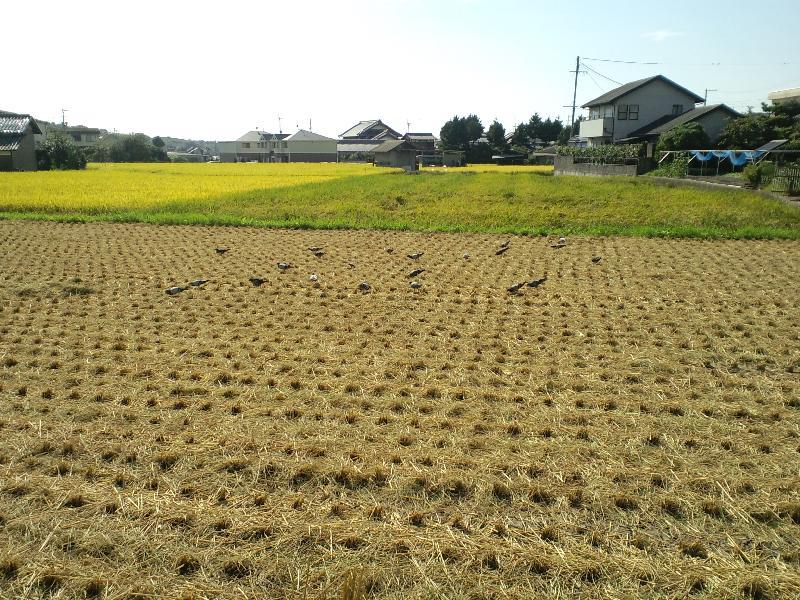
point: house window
(76, 136)
(622, 112)
(677, 109)
(633, 112)
(245, 144)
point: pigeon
(313, 278)
(415, 255)
(176, 289)
(596, 259)
(198, 282)
(501, 250)
(257, 281)
(465, 256)
(415, 285)
(534, 283)
(505, 244)
(319, 253)
(284, 265)
(389, 250)
(364, 286)
(220, 250)
(516, 287)
(315, 249)
(416, 272)
(351, 265)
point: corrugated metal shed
(10, 141)
(14, 123)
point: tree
(158, 142)
(748, 131)
(549, 130)
(496, 134)
(460, 132)
(136, 147)
(520, 138)
(60, 152)
(689, 136)
(564, 135)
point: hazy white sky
(213, 70)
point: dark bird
(516, 287)
(198, 282)
(220, 250)
(596, 259)
(501, 250)
(258, 281)
(319, 253)
(415, 255)
(314, 248)
(284, 265)
(534, 283)
(465, 256)
(364, 286)
(416, 272)
(415, 285)
(505, 244)
(389, 250)
(174, 290)
(351, 265)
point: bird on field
(465, 256)
(174, 290)
(364, 286)
(516, 287)
(314, 248)
(198, 282)
(559, 244)
(257, 281)
(562, 240)
(596, 259)
(389, 250)
(415, 255)
(284, 265)
(415, 285)
(351, 265)
(319, 253)
(534, 283)
(416, 272)
(220, 250)
(313, 278)
(501, 250)
(505, 244)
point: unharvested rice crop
(628, 428)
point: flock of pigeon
(365, 286)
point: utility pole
(280, 129)
(63, 120)
(705, 98)
(575, 91)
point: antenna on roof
(408, 125)
(309, 123)
(280, 129)
(63, 121)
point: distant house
(358, 143)
(307, 146)
(81, 136)
(397, 153)
(17, 142)
(617, 114)
(424, 142)
(784, 96)
(256, 146)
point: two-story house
(256, 146)
(626, 109)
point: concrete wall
(297, 147)
(24, 159)
(564, 165)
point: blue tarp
(737, 158)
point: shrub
(760, 174)
(610, 153)
(677, 167)
(689, 136)
(60, 152)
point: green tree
(689, 136)
(136, 147)
(520, 139)
(549, 130)
(59, 152)
(496, 134)
(564, 135)
(158, 142)
(459, 132)
(747, 132)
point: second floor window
(677, 109)
(628, 112)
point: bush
(59, 152)
(760, 174)
(610, 153)
(689, 136)
(677, 167)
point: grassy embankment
(327, 196)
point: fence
(787, 180)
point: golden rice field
(629, 428)
(111, 186)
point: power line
(712, 64)
(601, 75)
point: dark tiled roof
(390, 145)
(420, 137)
(359, 128)
(10, 141)
(634, 85)
(668, 122)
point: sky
(215, 70)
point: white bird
(415, 285)
(313, 278)
(562, 240)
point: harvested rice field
(628, 428)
